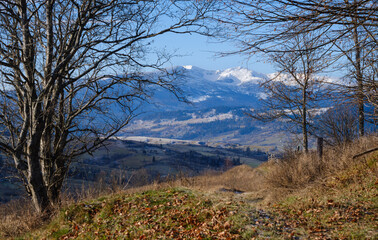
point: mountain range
(216, 113)
(213, 88)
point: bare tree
(371, 85)
(258, 24)
(371, 82)
(294, 92)
(70, 74)
(357, 47)
(263, 26)
(339, 124)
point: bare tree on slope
(293, 93)
(70, 77)
(347, 28)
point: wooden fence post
(320, 147)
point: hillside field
(298, 198)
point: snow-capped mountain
(230, 76)
(212, 88)
(219, 100)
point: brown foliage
(297, 170)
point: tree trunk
(36, 184)
(38, 192)
(304, 120)
(359, 79)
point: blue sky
(201, 51)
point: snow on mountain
(212, 88)
(220, 99)
(232, 87)
(234, 76)
(289, 81)
(202, 85)
(189, 67)
(199, 99)
(243, 75)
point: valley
(126, 164)
(215, 126)
(170, 138)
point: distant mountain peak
(243, 75)
(229, 76)
(189, 67)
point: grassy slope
(340, 204)
(343, 206)
(174, 213)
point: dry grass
(18, 216)
(268, 183)
(341, 205)
(300, 170)
(295, 172)
(241, 178)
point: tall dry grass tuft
(294, 172)
(297, 170)
(17, 217)
(241, 178)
